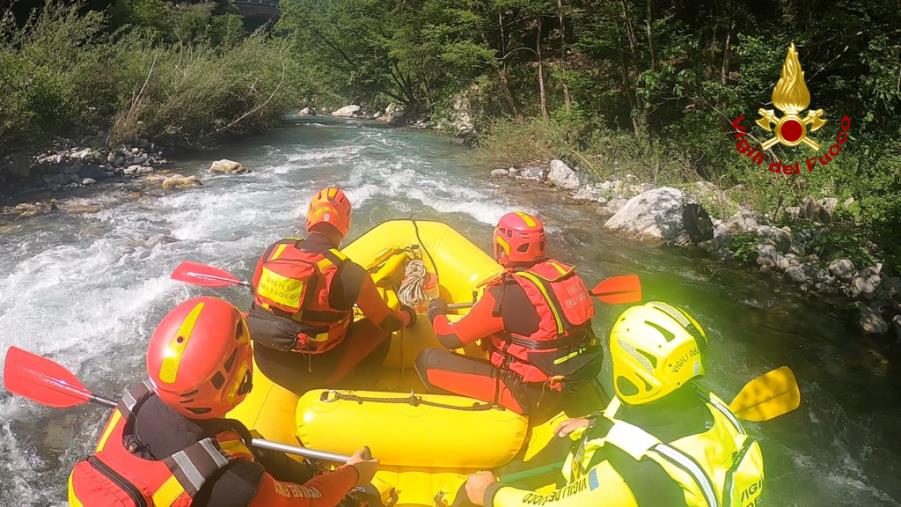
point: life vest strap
(573, 340)
(193, 465)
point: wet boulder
(842, 268)
(177, 181)
(531, 172)
(654, 215)
(560, 175)
(226, 166)
(307, 111)
(871, 320)
(500, 172)
(349, 111)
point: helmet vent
(218, 380)
(667, 334)
(626, 387)
(199, 410)
(673, 313)
(192, 393)
(523, 248)
(231, 360)
(643, 359)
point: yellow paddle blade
(767, 396)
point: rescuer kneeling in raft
(535, 320)
(167, 442)
(661, 441)
(304, 294)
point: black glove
(437, 307)
(411, 312)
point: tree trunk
(541, 91)
(650, 33)
(639, 113)
(502, 74)
(567, 100)
(724, 73)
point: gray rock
(743, 221)
(864, 285)
(842, 268)
(307, 111)
(871, 320)
(347, 111)
(144, 170)
(393, 112)
(896, 321)
(88, 181)
(767, 255)
(531, 172)
(848, 203)
(500, 172)
(798, 274)
(780, 238)
(829, 205)
(226, 166)
(590, 192)
(654, 215)
(562, 176)
(615, 205)
(793, 212)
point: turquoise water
(87, 290)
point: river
(88, 289)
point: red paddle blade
(204, 276)
(42, 380)
(619, 289)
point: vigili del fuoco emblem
(792, 97)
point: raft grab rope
(331, 396)
(410, 292)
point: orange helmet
(519, 239)
(199, 358)
(330, 206)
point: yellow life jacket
(721, 467)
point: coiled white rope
(410, 292)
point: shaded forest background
(614, 86)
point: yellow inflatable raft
(427, 443)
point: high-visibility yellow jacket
(721, 466)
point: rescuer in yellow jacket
(661, 440)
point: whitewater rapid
(87, 290)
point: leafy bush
(192, 76)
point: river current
(87, 290)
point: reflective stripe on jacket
(294, 284)
(721, 466)
(565, 310)
(114, 476)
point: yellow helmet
(655, 349)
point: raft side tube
(453, 435)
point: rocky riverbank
(704, 217)
(79, 179)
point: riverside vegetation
(633, 94)
(139, 72)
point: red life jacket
(294, 284)
(113, 476)
(564, 308)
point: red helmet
(199, 358)
(330, 206)
(519, 239)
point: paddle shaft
(261, 443)
(219, 278)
